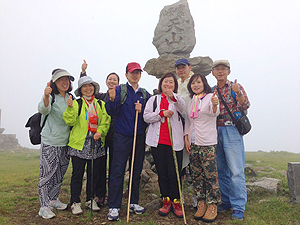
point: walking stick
(132, 162)
(92, 172)
(176, 168)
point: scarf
(196, 106)
(92, 114)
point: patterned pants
(204, 173)
(54, 161)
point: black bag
(243, 123)
(35, 128)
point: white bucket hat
(86, 80)
(61, 73)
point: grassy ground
(19, 203)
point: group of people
(187, 125)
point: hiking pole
(92, 172)
(176, 168)
(132, 162)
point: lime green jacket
(80, 124)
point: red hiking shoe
(166, 208)
(177, 209)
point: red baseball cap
(133, 66)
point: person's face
(221, 72)
(87, 90)
(168, 83)
(112, 81)
(183, 71)
(63, 84)
(197, 86)
(134, 77)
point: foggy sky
(260, 38)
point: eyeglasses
(221, 68)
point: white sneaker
(113, 214)
(56, 204)
(76, 208)
(95, 206)
(137, 209)
(46, 213)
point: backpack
(124, 93)
(80, 105)
(34, 122)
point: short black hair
(55, 90)
(113, 73)
(168, 74)
(207, 88)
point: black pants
(77, 176)
(123, 152)
(167, 177)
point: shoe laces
(113, 210)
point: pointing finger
(235, 81)
(48, 84)
(84, 61)
(214, 94)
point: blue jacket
(124, 115)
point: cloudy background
(260, 38)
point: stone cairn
(7, 141)
(174, 38)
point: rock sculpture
(174, 38)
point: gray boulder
(175, 33)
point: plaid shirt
(228, 98)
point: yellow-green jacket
(80, 124)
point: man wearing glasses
(230, 149)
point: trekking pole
(132, 162)
(176, 168)
(92, 172)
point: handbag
(242, 123)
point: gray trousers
(54, 161)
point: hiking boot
(224, 207)
(88, 205)
(56, 204)
(46, 213)
(201, 209)
(237, 215)
(76, 208)
(177, 209)
(211, 213)
(166, 208)
(113, 214)
(100, 201)
(137, 209)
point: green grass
(19, 200)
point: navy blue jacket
(124, 115)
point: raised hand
(112, 94)
(169, 93)
(236, 88)
(83, 66)
(47, 90)
(214, 99)
(138, 106)
(70, 101)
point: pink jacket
(154, 119)
(204, 125)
